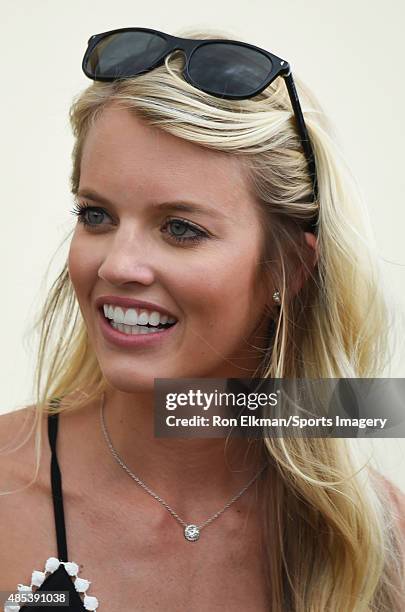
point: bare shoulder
(12, 420)
(23, 498)
(27, 522)
(16, 446)
(18, 453)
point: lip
(117, 300)
(120, 339)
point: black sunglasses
(222, 68)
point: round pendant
(191, 533)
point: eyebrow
(182, 205)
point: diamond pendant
(191, 533)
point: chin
(130, 381)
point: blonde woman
(219, 235)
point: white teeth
(119, 315)
(143, 318)
(154, 318)
(134, 330)
(132, 316)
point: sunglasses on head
(223, 68)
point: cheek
(220, 289)
(81, 265)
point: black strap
(56, 480)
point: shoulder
(25, 499)
(14, 418)
(14, 427)
(17, 447)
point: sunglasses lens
(124, 54)
(229, 69)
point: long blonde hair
(328, 537)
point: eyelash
(79, 210)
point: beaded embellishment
(81, 585)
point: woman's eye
(91, 217)
(180, 229)
(82, 210)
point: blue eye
(85, 213)
(181, 237)
(81, 210)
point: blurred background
(348, 53)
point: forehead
(123, 156)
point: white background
(349, 53)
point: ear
(312, 242)
(303, 271)
(297, 279)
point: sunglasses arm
(302, 128)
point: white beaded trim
(52, 564)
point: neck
(187, 473)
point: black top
(59, 580)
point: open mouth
(136, 329)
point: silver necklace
(191, 531)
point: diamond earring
(277, 297)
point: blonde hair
(329, 542)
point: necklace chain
(195, 528)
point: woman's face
(129, 174)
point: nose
(127, 260)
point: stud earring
(277, 297)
